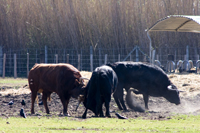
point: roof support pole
(149, 47)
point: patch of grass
(8, 80)
(181, 123)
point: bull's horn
(81, 78)
(181, 91)
(77, 105)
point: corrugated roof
(177, 23)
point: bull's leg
(146, 100)
(85, 113)
(33, 97)
(117, 96)
(65, 103)
(100, 111)
(121, 97)
(44, 100)
(107, 109)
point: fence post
(187, 52)
(153, 56)
(27, 65)
(81, 59)
(15, 66)
(91, 62)
(1, 61)
(118, 57)
(64, 56)
(56, 55)
(45, 54)
(136, 54)
(79, 62)
(36, 56)
(91, 59)
(197, 57)
(105, 59)
(100, 62)
(157, 57)
(67, 58)
(4, 65)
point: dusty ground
(159, 108)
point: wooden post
(15, 66)
(27, 65)
(67, 58)
(4, 65)
(56, 55)
(91, 58)
(136, 54)
(81, 59)
(36, 56)
(175, 59)
(197, 57)
(118, 57)
(1, 61)
(153, 56)
(79, 62)
(187, 52)
(46, 58)
(64, 55)
(91, 62)
(100, 62)
(105, 59)
(185, 57)
(157, 57)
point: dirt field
(159, 108)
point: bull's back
(133, 74)
(48, 76)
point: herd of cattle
(112, 78)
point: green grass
(181, 124)
(8, 80)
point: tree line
(79, 24)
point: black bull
(146, 79)
(101, 85)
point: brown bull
(63, 79)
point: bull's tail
(132, 103)
(25, 85)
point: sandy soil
(159, 108)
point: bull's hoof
(84, 117)
(67, 114)
(108, 116)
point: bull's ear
(169, 87)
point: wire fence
(19, 62)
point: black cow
(102, 84)
(146, 79)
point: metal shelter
(175, 23)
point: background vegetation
(82, 23)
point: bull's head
(82, 93)
(172, 94)
(79, 87)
